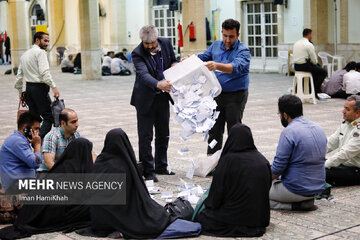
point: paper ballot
(193, 91)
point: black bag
(180, 208)
(56, 107)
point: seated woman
(238, 200)
(35, 219)
(141, 217)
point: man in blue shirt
(230, 59)
(17, 159)
(298, 167)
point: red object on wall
(180, 41)
(192, 32)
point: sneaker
(307, 205)
(165, 172)
(153, 177)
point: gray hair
(355, 98)
(148, 34)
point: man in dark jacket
(151, 97)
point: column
(90, 39)
(344, 21)
(194, 11)
(114, 35)
(56, 28)
(19, 31)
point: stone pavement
(104, 105)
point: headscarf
(35, 219)
(141, 217)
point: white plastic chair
(325, 62)
(301, 86)
(283, 57)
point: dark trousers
(39, 102)
(125, 72)
(157, 117)
(343, 176)
(67, 69)
(318, 74)
(231, 106)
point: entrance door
(261, 30)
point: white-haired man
(151, 98)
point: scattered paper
(166, 194)
(193, 199)
(149, 183)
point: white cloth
(33, 68)
(351, 82)
(347, 140)
(107, 61)
(302, 50)
(117, 65)
(66, 63)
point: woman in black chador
(35, 219)
(141, 217)
(238, 201)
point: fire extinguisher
(191, 28)
(192, 32)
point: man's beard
(284, 122)
(42, 46)
(151, 50)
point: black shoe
(154, 178)
(307, 205)
(164, 172)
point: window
(164, 21)
(262, 29)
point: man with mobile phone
(17, 159)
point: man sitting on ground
(17, 159)
(334, 87)
(67, 65)
(343, 168)
(56, 141)
(118, 66)
(351, 81)
(299, 159)
(106, 65)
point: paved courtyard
(105, 104)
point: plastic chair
(325, 62)
(283, 57)
(301, 86)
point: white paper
(167, 194)
(190, 173)
(212, 144)
(149, 183)
(193, 199)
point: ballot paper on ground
(193, 90)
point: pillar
(113, 24)
(56, 28)
(19, 31)
(344, 21)
(90, 39)
(194, 11)
(4, 16)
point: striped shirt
(55, 143)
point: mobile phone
(27, 132)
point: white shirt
(351, 82)
(302, 50)
(66, 63)
(107, 61)
(347, 140)
(33, 68)
(117, 65)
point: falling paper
(212, 144)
